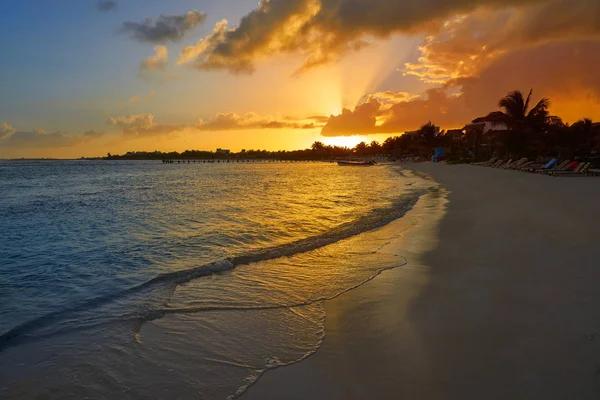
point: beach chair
(506, 165)
(517, 164)
(581, 170)
(525, 166)
(488, 162)
(593, 172)
(535, 168)
(560, 167)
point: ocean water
(140, 279)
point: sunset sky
(87, 77)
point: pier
(237, 161)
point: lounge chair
(488, 162)
(561, 167)
(593, 172)
(581, 170)
(524, 166)
(536, 168)
(505, 165)
(517, 164)
(496, 164)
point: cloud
(145, 125)
(93, 134)
(552, 47)
(39, 139)
(137, 99)
(564, 71)
(5, 130)
(406, 114)
(106, 5)
(389, 97)
(142, 125)
(158, 62)
(322, 30)
(465, 45)
(164, 28)
(233, 121)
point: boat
(356, 163)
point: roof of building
(496, 117)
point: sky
(82, 78)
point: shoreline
(499, 301)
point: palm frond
(540, 108)
(526, 106)
(513, 105)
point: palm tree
(428, 133)
(517, 113)
(318, 146)
(361, 148)
(582, 136)
(375, 147)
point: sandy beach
(500, 299)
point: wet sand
(500, 300)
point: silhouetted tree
(318, 146)
(375, 147)
(361, 149)
(517, 112)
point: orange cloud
(467, 44)
(233, 121)
(322, 30)
(374, 117)
(564, 71)
(5, 130)
(145, 125)
(158, 61)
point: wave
(72, 319)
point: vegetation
(517, 131)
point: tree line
(526, 131)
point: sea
(138, 279)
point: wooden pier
(237, 161)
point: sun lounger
(536, 168)
(524, 166)
(593, 172)
(517, 164)
(488, 162)
(581, 170)
(505, 165)
(561, 167)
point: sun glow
(345, 141)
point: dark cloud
(164, 28)
(323, 30)
(40, 139)
(106, 5)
